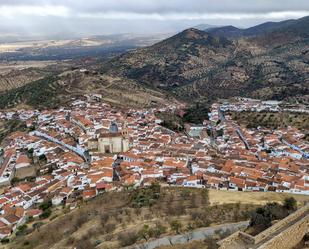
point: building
(111, 142)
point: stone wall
(290, 237)
(281, 224)
(284, 234)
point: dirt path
(199, 234)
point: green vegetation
(9, 126)
(175, 226)
(171, 121)
(263, 217)
(272, 119)
(40, 93)
(144, 197)
(45, 205)
(46, 208)
(290, 203)
(197, 113)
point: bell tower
(124, 131)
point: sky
(94, 17)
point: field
(253, 198)
(6, 67)
(13, 47)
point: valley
(198, 139)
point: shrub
(5, 240)
(37, 225)
(127, 238)
(22, 228)
(290, 203)
(109, 227)
(157, 231)
(144, 233)
(263, 216)
(175, 226)
(45, 205)
(146, 196)
(46, 213)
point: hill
(198, 65)
(299, 27)
(118, 219)
(191, 66)
(55, 90)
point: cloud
(174, 16)
(161, 6)
(117, 16)
(33, 11)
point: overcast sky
(90, 17)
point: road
(199, 234)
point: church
(112, 141)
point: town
(88, 147)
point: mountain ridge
(196, 64)
(295, 26)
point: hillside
(191, 66)
(298, 27)
(118, 219)
(54, 90)
(197, 65)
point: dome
(113, 128)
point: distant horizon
(75, 18)
(65, 36)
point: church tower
(124, 131)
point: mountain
(226, 31)
(192, 66)
(296, 27)
(205, 27)
(196, 65)
(165, 63)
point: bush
(175, 226)
(157, 231)
(22, 230)
(290, 203)
(263, 216)
(37, 225)
(45, 205)
(109, 227)
(146, 196)
(144, 233)
(127, 238)
(5, 240)
(46, 213)
(22, 227)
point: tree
(46, 213)
(45, 205)
(261, 218)
(175, 226)
(290, 203)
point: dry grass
(87, 225)
(254, 198)
(108, 216)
